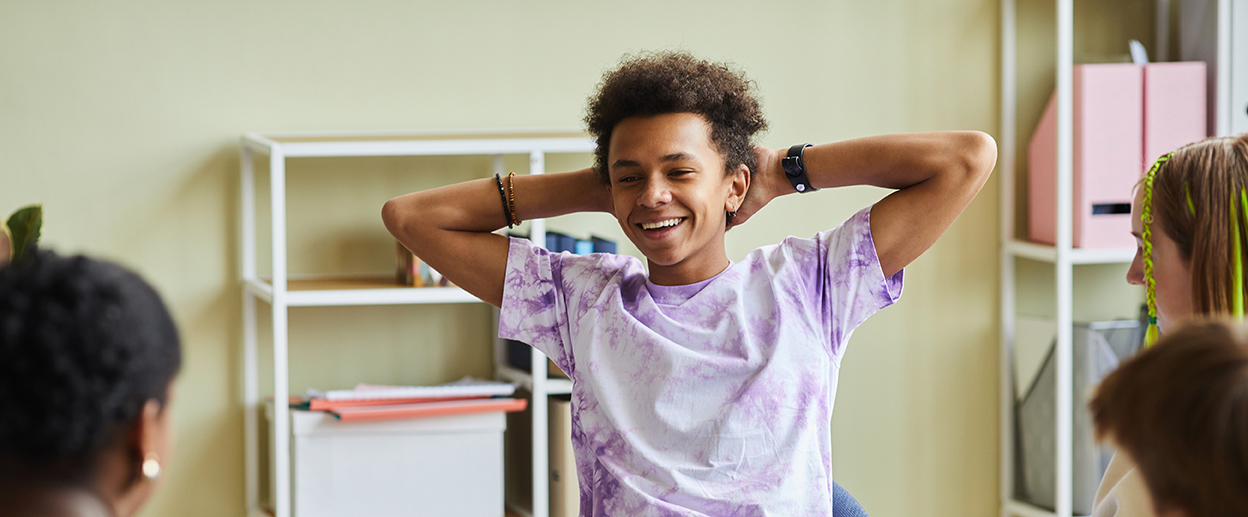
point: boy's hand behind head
(765, 185)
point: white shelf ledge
(554, 385)
(420, 143)
(355, 290)
(1047, 253)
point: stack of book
(415, 272)
(558, 242)
(371, 403)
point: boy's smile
(670, 193)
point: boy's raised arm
(450, 227)
(936, 174)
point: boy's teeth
(661, 224)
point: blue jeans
(844, 505)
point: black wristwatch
(795, 169)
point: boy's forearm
(477, 206)
(890, 161)
(551, 195)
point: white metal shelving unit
(1226, 114)
(282, 292)
(1062, 255)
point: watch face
(790, 166)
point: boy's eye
(679, 172)
(627, 179)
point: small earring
(732, 214)
(151, 467)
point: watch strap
(795, 169)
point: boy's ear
(738, 188)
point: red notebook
(319, 404)
(427, 409)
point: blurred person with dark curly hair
(88, 354)
(1179, 412)
(700, 386)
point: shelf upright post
(1222, 97)
(1009, 80)
(281, 383)
(541, 454)
(251, 389)
(1064, 274)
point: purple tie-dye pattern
(707, 399)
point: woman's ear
(739, 186)
(151, 438)
(148, 444)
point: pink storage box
(1125, 116)
(1174, 107)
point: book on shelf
(560, 242)
(320, 404)
(414, 272)
(427, 409)
(368, 402)
(466, 387)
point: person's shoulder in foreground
(1179, 410)
(88, 354)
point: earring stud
(151, 467)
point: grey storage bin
(1098, 348)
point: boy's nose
(656, 193)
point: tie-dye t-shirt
(712, 398)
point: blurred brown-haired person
(1179, 410)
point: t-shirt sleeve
(534, 308)
(853, 286)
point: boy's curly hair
(676, 82)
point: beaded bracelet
(503, 195)
(511, 198)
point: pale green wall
(123, 119)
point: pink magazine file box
(1174, 107)
(1108, 125)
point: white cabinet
(282, 293)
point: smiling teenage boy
(700, 386)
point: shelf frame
(1078, 256)
(368, 290)
(281, 292)
(1062, 255)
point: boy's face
(670, 193)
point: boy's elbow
(979, 155)
(396, 218)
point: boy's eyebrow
(674, 157)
